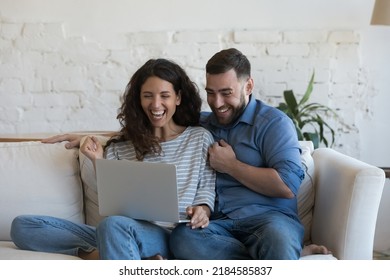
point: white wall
(374, 127)
(92, 18)
(64, 63)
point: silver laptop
(140, 190)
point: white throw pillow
(306, 191)
(39, 179)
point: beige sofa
(338, 200)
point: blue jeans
(53, 235)
(115, 238)
(122, 238)
(270, 236)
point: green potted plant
(308, 117)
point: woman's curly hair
(136, 126)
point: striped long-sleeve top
(188, 151)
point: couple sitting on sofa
(254, 215)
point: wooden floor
(380, 256)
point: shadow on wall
(382, 231)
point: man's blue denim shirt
(263, 136)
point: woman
(159, 118)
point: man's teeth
(222, 110)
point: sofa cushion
(306, 191)
(39, 179)
(88, 178)
(8, 251)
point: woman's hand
(92, 148)
(199, 216)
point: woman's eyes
(165, 96)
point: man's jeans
(270, 236)
(120, 237)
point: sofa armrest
(348, 194)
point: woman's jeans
(116, 237)
(122, 238)
(269, 236)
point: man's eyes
(224, 93)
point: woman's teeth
(157, 114)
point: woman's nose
(156, 101)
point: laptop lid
(140, 190)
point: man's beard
(236, 112)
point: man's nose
(217, 101)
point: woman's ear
(178, 98)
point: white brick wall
(51, 82)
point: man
(257, 159)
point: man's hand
(73, 140)
(262, 180)
(221, 156)
(199, 216)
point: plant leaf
(304, 115)
(299, 133)
(314, 138)
(308, 92)
(283, 107)
(291, 101)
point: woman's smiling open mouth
(157, 114)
